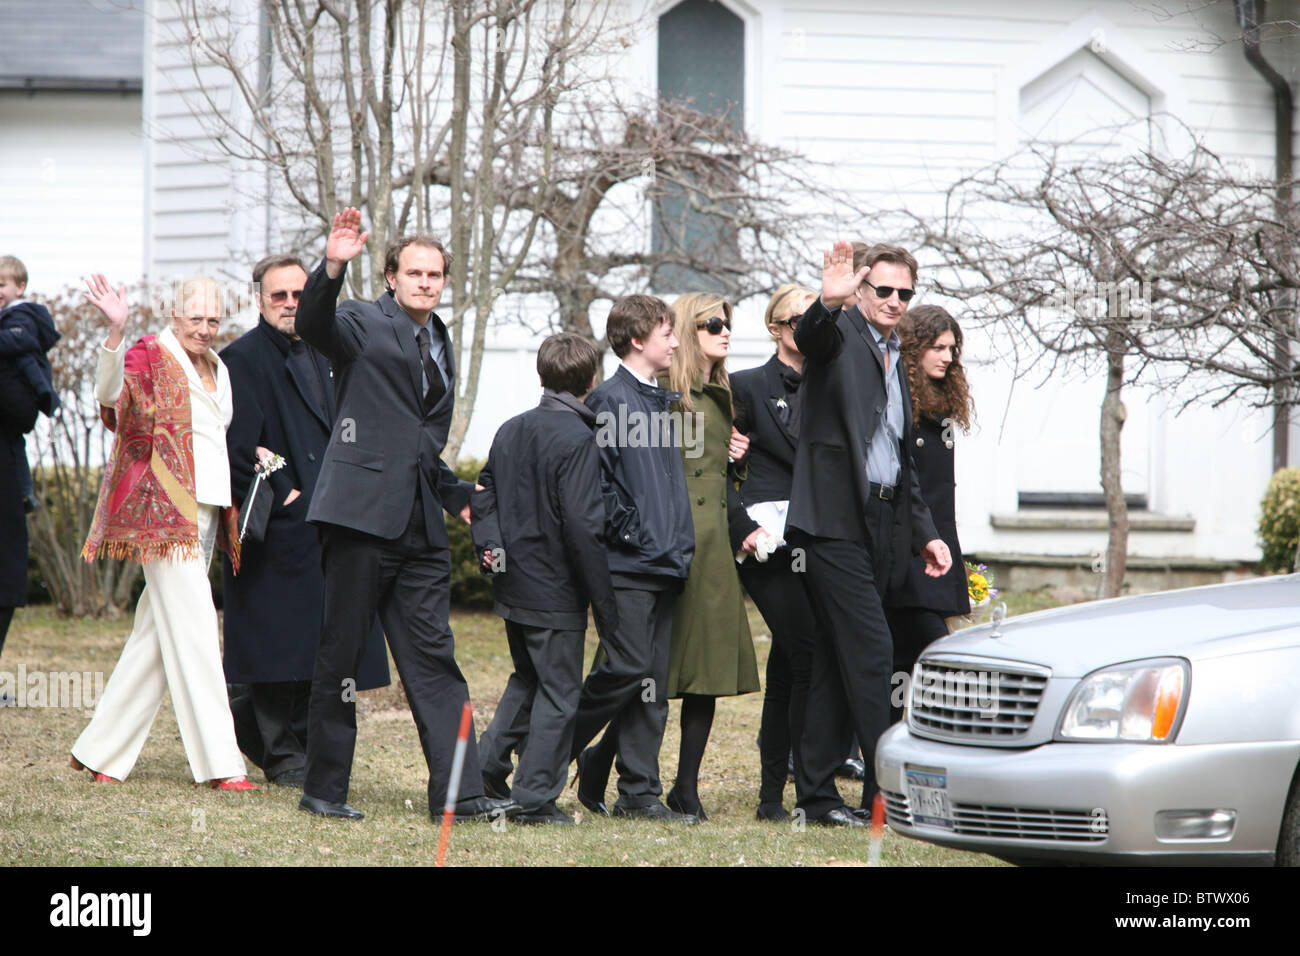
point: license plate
(927, 795)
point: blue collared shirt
(883, 463)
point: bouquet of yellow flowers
(979, 582)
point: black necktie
(433, 392)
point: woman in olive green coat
(712, 651)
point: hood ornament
(998, 615)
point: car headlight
(1140, 701)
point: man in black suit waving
(378, 498)
(855, 509)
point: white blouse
(210, 413)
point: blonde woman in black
(767, 411)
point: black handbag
(255, 512)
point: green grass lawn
(53, 816)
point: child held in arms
(27, 332)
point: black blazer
(755, 393)
(272, 618)
(541, 504)
(383, 442)
(843, 397)
(949, 594)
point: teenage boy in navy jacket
(539, 524)
(651, 540)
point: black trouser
(852, 657)
(627, 688)
(778, 593)
(509, 726)
(913, 629)
(6, 617)
(408, 582)
(542, 696)
(271, 724)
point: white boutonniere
(262, 469)
(780, 403)
(268, 465)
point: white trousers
(173, 646)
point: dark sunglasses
(714, 326)
(885, 291)
(793, 322)
(279, 298)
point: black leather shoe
(546, 813)
(772, 813)
(852, 769)
(839, 817)
(656, 811)
(290, 778)
(588, 796)
(675, 804)
(495, 786)
(483, 808)
(323, 808)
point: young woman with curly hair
(931, 351)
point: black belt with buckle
(883, 492)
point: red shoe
(76, 764)
(235, 784)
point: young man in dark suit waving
(855, 509)
(378, 502)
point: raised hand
(346, 240)
(839, 279)
(112, 303)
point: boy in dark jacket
(27, 332)
(651, 540)
(539, 522)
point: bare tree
(495, 123)
(1175, 270)
(414, 111)
(729, 211)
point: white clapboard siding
(72, 165)
(898, 100)
(198, 219)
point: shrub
(470, 589)
(1279, 521)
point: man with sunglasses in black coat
(855, 509)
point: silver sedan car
(1153, 729)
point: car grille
(1011, 823)
(975, 700)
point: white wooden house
(904, 98)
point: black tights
(697, 721)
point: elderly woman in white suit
(165, 492)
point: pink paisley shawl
(147, 510)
